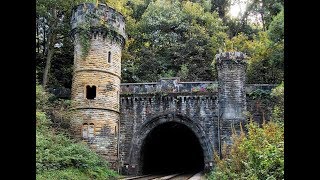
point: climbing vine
(94, 18)
(84, 30)
(84, 39)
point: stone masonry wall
(105, 130)
(139, 110)
(231, 68)
(141, 105)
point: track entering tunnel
(171, 148)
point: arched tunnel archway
(171, 147)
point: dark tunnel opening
(171, 148)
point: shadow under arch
(141, 135)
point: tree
(265, 60)
(172, 37)
(276, 28)
(265, 9)
(222, 7)
(265, 51)
(53, 25)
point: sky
(236, 8)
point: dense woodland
(166, 38)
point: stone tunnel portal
(171, 147)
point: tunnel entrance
(171, 148)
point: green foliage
(167, 74)
(174, 38)
(60, 115)
(84, 39)
(266, 9)
(208, 88)
(278, 110)
(68, 173)
(212, 88)
(42, 121)
(221, 6)
(171, 35)
(52, 37)
(43, 7)
(276, 28)
(57, 109)
(265, 50)
(260, 94)
(184, 71)
(55, 151)
(237, 43)
(266, 61)
(120, 6)
(42, 98)
(265, 57)
(237, 26)
(259, 155)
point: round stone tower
(231, 68)
(99, 36)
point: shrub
(259, 155)
(56, 152)
(278, 110)
(42, 98)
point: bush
(259, 155)
(60, 115)
(278, 110)
(56, 152)
(42, 98)
(70, 174)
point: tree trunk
(37, 35)
(263, 21)
(44, 43)
(262, 15)
(50, 47)
(45, 78)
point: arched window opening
(91, 92)
(91, 130)
(85, 131)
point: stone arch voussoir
(149, 125)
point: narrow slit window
(109, 57)
(91, 130)
(115, 131)
(91, 92)
(85, 131)
(118, 96)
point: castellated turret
(99, 36)
(231, 68)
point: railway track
(178, 176)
